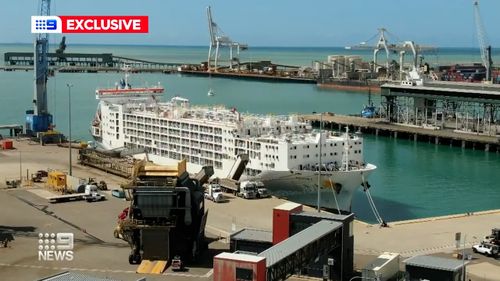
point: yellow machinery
(56, 180)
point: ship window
(335, 153)
(331, 154)
(331, 144)
(334, 144)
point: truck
(261, 190)
(90, 194)
(247, 190)
(214, 192)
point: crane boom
(483, 41)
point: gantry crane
(218, 40)
(483, 41)
(39, 120)
(384, 44)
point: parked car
(486, 249)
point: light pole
(320, 164)
(69, 85)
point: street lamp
(69, 85)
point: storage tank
(384, 267)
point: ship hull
(302, 186)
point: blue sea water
(413, 180)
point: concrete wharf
(98, 253)
(380, 126)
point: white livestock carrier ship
(283, 152)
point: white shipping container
(384, 267)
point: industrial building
(306, 243)
(434, 268)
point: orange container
(7, 144)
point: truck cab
(248, 190)
(261, 190)
(92, 194)
(214, 193)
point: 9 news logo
(55, 246)
(46, 24)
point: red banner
(105, 24)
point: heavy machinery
(384, 44)
(217, 40)
(56, 180)
(166, 216)
(39, 120)
(483, 42)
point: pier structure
(84, 62)
(467, 108)
(14, 129)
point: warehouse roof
(289, 246)
(435, 263)
(249, 234)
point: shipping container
(383, 268)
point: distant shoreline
(252, 47)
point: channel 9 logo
(46, 24)
(55, 246)
(89, 24)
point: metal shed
(435, 268)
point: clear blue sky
(443, 23)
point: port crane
(217, 40)
(39, 120)
(384, 44)
(484, 46)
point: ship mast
(345, 156)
